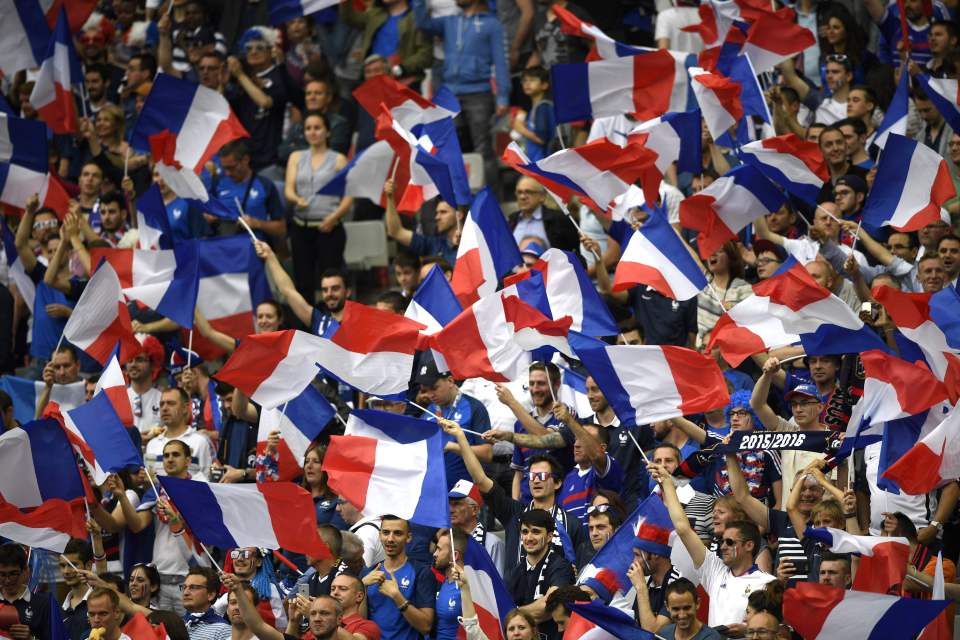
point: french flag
(944, 310)
(364, 175)
(822, 612)
(772, 39)
(729, 204)
(794, 164)
(912, 316)
(25, 394)
(24, 37)
(656, 256)
(894, 388)
(944, 93)
(895, 118)
(100, 319)
(606, 47)
(273, 515)
(389, 463)
(165, 280)
(37, 464)
(825, 323)
(24, 165)
(212, 411)
(52, 94)
(434, 304)
(933, 461)
(648, 528)
(282, 11)
(153, 226)
(406, 106)
(639, 84)
(272, 368)
(201, 119)
(675, 137)
(300, 421)
(114, 386)
(487, 250)
(232, 282)
(748, 328)
(596, 172)
(596, 621)
(49, 526)
(26, 286)
(911, 187)
(716, 19)
(883, 561)
(98, 435)
(647, 383)
(492, 338)
(491, 599)
(183, 181)
(719, 100)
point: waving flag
(912, 315)
(729, 204)
(825, 323)
(153, 226)
(95, 430)
(895, 117)
(794, 164)
(716, 19)
(933, 461)
(944, 93)
(389, 463)
(26, 286)
(491, 338)
(282, 11)
(657, 256)
(641, 84)
(364, 175)
(912, 185)
(772, 39)
(675, 137)
(883, 561)
(272, 368)
(895, 388)
(491, 598)
(26, 393)
(200, 118)
(183, 181)
(821, 612)
(595, 621)
(101, 319)
(945, 311)
(114, 386)
(433, 304)
(49, 526)
(648, 528)
(487, 250)
(37, 464)
(719, 100)
(596, 172)
(24, 37)
(406, 106)
(52, 94)
(746, 329)
(24, 165)
(606, 46)
(942, 626)
(300, 421)
(647, 383)
(270, 514)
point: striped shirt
(206, 626)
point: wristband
(99, 558)
(850, 515)
(404, 606)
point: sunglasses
(237, 554)
(540, 475)
(729, 542)
(598, 508)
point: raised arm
(691, 429)
(218, 338)
(528, 422)
(755, 510)
(22, 239)
(391, 218)
(470, 460)
(758, 399)
(301, 308)
(591, 446)
(688, 536)
(248, 611)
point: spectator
(33, 613)
(175, 418)
(200, 588)
(594, 469)
(935, 132)
(942, 40)
(349, 592)
(949, 250)
(536, 126)
(553, 46)
(97, 83)
(444, 243)
(931, 274)
(558, 604)
(103, 612)
(727, 287)
(247, 564)
(862, 105)
(142, 371)
(141, 68)
(389, 31)
(366, 528)
(77, 555)
(241, 189)
(855, 133)
(762, 625)
(886, 15)
(406, 271)
(532, 219)
(465, 503)
(682, 602)
(319, 95)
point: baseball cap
(804, 390)
(466, 489)
(178, 360)
(427, 372)
(856, 183)
(534, 249)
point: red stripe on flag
(736, 343)
(467, 277)
(60, 114)
(726, 90)
(653, 533)
(464, 350)
(884, 570)
(699, 380)
(121, 404)
(807, 152)
(349, 463)
(918, 470)
(255, 360)
(806, 606)
(630, 274)
(653, 75)
(367, 330)
(120, 331)
(294, 518)
(907, 310)
(697, 213)
(227, 130)
(794, 289)
(120, 259)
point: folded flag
(596, 172)
(656, 256)
(640, 84)
(647, 383)
(487, 251)
(389, 463)
(406, 106)
(491, 599)
(944, 93)
(675, 137)
(719, 100)
(300, 421)
(100, 319)
(746, 329)
(825, 323)
(52, 94)
(772, 39)
(200, 118)
(271, 515)
(24, 166)
(272, 368)
(912, 185)
(911, 312)
(794, 164)
(895, 117)
(98, 435)
(364, 175)
(596, 621)
(933, 461)
(648, 528)
(49, 526)
(37, 464)
(729, 204)
(883, 561)
(282, 11)
(26, 393)
(182, 180)
(822, 612)
(26, 286)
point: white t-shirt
(919, 509)
(201, 453)
(830, 111)
(368, 530)
(728, 593)
(147, 405)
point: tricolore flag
(100, 319)
(487, 251)
(98, 435)
(883, 560)
(52, 94)
(794, 164)
(933, 461)
(300, 421)
(491, 599)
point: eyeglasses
(192, 587)
(598, 508)
(237, 554)
(739, 413)
(842, 58)
(759, 633)
(540, 475)
(763, 261)
(728, 542)
(9, 575)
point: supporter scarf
(817, 441)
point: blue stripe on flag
(200, 509)
(310, 412)
(56, 465)
(35, 25)
(166, 108)
(662, 236)
(100, 426)
(571, 92)
(597, 362)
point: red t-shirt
(356, 624)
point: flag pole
(856, 236)
(126, 161)
(209, 555)
(431, 413)
(67, 560)
(560, 136)
(189, 347)
(243, 222)
(639, 448)
(57, 348)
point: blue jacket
(471, 45)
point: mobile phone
(801, 566)
(303, 589)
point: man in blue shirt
(447, 401)
(595, 469)
(444, 243)
(241, 190)
(448, 595)
(400, 596)
(886, 15)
